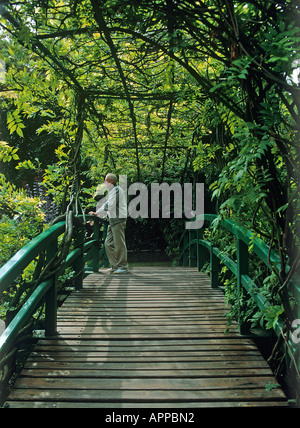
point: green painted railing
(194, 248)
(192, 255)
(79, 253)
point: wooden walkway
(151, 338)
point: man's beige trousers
(115, 246)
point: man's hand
(92, 213)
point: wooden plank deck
(151, 338)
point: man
(116, 210)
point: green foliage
(268, 317)
(21, 219)
(14, 123)
(279, 44)
(7, 153)
(271, 385)
(57, 177)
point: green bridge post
(242, 269)
(51, 296)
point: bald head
(111, 178)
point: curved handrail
(46, 289)
(15, 266)
(270, 258)
(239, 268)
(192, 238)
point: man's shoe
(111, 269)
(120, 270)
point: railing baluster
(242, 269)
(96, 236)
(192, 234)
(51, 297)
(79, 265)
(185, 256)
(214, 268)
(200, 260)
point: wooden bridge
(151, 338)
